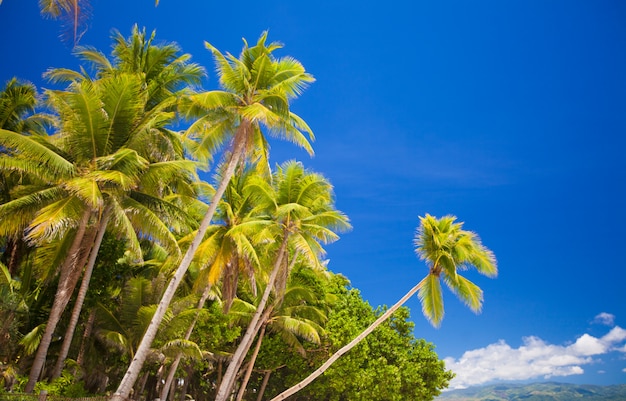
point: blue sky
(510, 115)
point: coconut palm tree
(73, 13)
(257, 88)
(112, 140)
(226, 252)
(164, 72)
(17, 114)
(296, 316)
(447, 249)
(303, 216)
(103, 180)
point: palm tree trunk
(123, 390)
(255, 353)
(266, 379)
(349, 346)
(80, 298)
(176, 362)
(86, 335)
(229, 377)
(70, 271)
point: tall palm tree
(226, 252)
(165, 72)
(447, 249)
(112, 139)
(303, 216)
(296, 316)
(257, 88)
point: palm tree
(112, 145)
(301, 208)
(226, 252)
(296, 316)
(74, 14)
(447, 249)
(165, 72)
(257, 90)
(17, 114)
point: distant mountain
(537, 392)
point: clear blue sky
(510, 115)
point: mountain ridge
(547, 391)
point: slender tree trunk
(80, 298)
(123, 390)
(255, 353)
(176, 362)
(86, 335)
(16, 246)
(183, 392)
(70, 271)
(253, 328)
(349, 346)
(266, 379)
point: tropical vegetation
(125, 271)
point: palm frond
(31, 149)
(431, 298)
(54, 220)
(468, 292)
(30, 342)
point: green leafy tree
(257, 90)
(446, 248)
(389, 364)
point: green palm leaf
(431, 298)
(33, 150)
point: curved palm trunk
(70, 272)
(80, 298)
(246, 377)
(176, 362)
(126, 385)
(348, 346)
(253, 328)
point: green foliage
(68, 385)
(390, 364)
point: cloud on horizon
(533, 359)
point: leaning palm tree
(303, 217)
(257, 88)
(447, 249)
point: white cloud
(616, 335)
(533, 359)
(605, 318)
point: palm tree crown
(447, 248)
